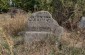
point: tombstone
(42, 26)
(81, 24)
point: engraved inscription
(40, 21)
(39, 29)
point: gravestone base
(31, 37)
(35, 40)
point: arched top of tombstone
(42, 13)
(42, 16)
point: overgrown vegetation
(27, 5)
(66, 12)
(9, 28)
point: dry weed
(14, 25)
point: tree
(27, 5)
(4, 5)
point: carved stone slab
(42, 21)
(42, 25)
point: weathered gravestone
(41, 26)
(82, 23)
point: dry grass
(8, 40)
(14, 25)
(72, 42)
(8, 28)
(73, 39)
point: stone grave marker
(40, 26)
(81, 24)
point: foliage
(63, 10)
(68, 11)
(4, 5)
(27, 5)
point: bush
(68, 11)
(27, 5)
(14, 25)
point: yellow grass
(9, 41)
(14, 25)
(11, 26)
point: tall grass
(10, 27)
(14, 25)
(9, 41)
